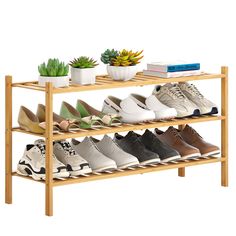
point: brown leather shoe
(191, 136)
(172, 137)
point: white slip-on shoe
(171, 95)
(161, 111)
(128, 109)
(90, 152)
(33, 163)
(193, 94)
(74, 163)
(111, 149)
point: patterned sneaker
(74, 163)
(33, 163)
(172, 96)
(192, 93)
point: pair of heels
(70, 119)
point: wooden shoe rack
(104, 82)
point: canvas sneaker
(74, 163)
(33, 163)
(128, 109)
(171, 95)
(111, 149)
(90, 152)
(193, 94)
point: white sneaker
(33, 163)
(74, 163)
(172, 96)
(128, 109)
(192, 93)
(111, 149)
(152, 103)
(90, 152)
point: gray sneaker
(193, 94)
(90, 152)
(111, 149)
(171, 95)
(74, 163)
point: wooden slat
(18, 129)
(29, 87)
(133, 171)
(136, 171)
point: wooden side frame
(224, 126)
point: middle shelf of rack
(126, 127)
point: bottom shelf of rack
(133, 171)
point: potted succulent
(121, 65)
(54, 71)
(83, 70)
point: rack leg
(49, 151)
(224, 126)
(181, 171)
(8, 140)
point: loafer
(132, 144)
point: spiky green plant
(83, 62)
(109, 55)
(53, 68)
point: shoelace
(175, 90)
(42, 148)
(195, 90)
(195, 133)
(176, 134)
(67, 147)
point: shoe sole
(106, 168)
(211, 153)
(127, 165)
(152, 161)
(25, 171)
(196, 112)
(190, 156)
(178, 157)
(80, 172)
(213, 111)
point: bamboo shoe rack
(104, 82)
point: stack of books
(172, 69)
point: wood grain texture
(224, 126)
(8, 139)
(181, 171)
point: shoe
(33, 163)
(87, 122)
(154, 144)
(172, 137)
(111, 149)
(132, 144)
(29, 121)
(74, 163)
(205, 106)
(191, 136)
(171, 95)
(107, 119)
(60, 122)
(90, 152)
(161, 111)
(129, 111)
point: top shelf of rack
(105, 82)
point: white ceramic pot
(83, 76)
(60, 81)
(122, 72)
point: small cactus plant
(83, 62)
(53, 68)
(122, 58)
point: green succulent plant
(109, 55)
(53, 68)
(83, 62)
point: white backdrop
(152, 204)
